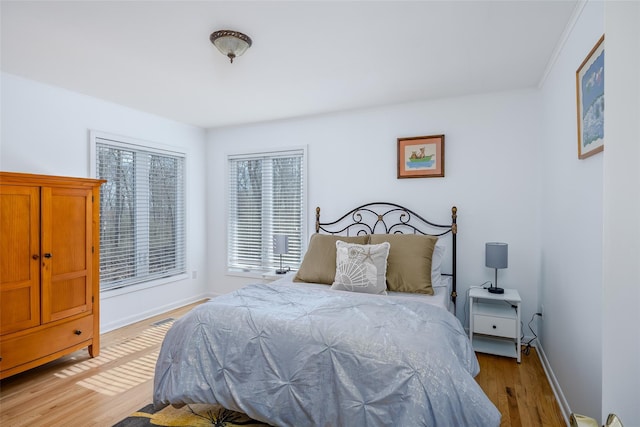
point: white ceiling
(308, 57)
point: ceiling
(307, 58)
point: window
(142, 212)
(266, 196)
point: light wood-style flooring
(520, 391)
(79, 391)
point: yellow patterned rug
(195, 415)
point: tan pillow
(409, 262)
(319, 263)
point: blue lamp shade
(496, 255)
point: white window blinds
(266, 196)
(142, 213)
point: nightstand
(272, 276)
(494, 322)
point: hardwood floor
(520, 391)
(79, 391)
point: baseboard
(553, 381)
(153, 312)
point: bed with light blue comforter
(293, 355)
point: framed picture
(421, 157)
(590, 102)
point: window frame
(304, 233)
(138, 144)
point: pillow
(436, 262)
(319, 263)
(409, 262)
(361, 268)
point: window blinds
(265, 197)
(142, 214)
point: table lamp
(496, 256)
(280, 247)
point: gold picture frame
(421, 157)
(590, 102)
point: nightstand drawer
(497, 326)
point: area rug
(199, 415)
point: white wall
(492, 153)
(621, 288)
(572, 193)
(45, 130)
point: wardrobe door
(19, 258)
(66, 252)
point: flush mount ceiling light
(230, 43)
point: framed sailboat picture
(590, 102)
(421, 157)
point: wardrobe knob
(77, 332)
(47, 255)
(35, 256)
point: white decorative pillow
(361, 268)
(436, 262)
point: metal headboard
(390, 218)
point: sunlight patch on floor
(147, 338)
(122, 378)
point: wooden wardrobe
(49, 269)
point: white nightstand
(494, 322)
(272, 276)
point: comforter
(288, 355)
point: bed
(378, 345)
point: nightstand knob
(494, 326)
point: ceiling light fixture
(230, 43)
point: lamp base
(495, 290)
(282, 271)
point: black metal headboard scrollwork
(390, 218)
